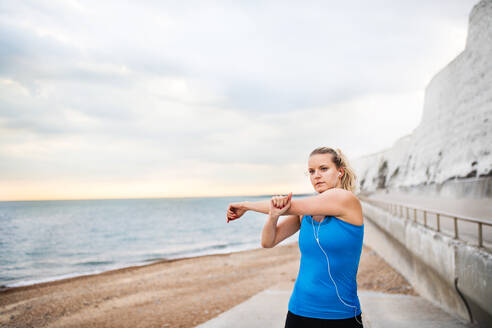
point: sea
(43, 241)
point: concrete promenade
(379, 310)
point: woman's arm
(261, 206)
(336, 202)
(274, 233)
(236, 210)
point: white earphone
(316, 236)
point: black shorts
(296, 321)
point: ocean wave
(92, 263)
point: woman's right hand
(280, 204)
(235, 211)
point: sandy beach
(178, 293)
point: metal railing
(403, 210)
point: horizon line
(135, 198)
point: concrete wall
(470, 188)
(453, 140)
(431, 261)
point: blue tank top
(314, 293)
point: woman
(330, 240)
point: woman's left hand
(280, 204)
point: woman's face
(323, 172)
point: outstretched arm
(262, 206)
(334, 202)
(236, 210)
(330, 202)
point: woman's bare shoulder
(353, 210)
(346, 196)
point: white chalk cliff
(449, 153)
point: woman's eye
(324, 169)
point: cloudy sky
(109, 99)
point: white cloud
(229, 94)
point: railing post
(455, 228)
(401, 211)
(480, 240)
(407, 212)
(425, 219)
(438, 222)
(415, 215)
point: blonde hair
(340, 161)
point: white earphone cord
(328, 262)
